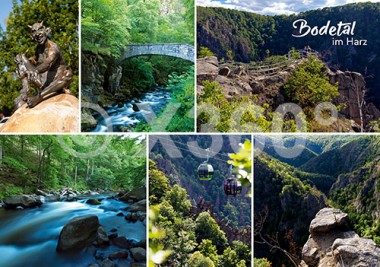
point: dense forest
(336, 75)
(336, 171)
(30, 162)
(197, 222)
(61, 16)
(108, 26)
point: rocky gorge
(90, 228)
(267, 90)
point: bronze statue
(46, 69)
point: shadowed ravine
(31, 235)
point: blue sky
(5, 8)
(275, 7)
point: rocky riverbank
(101, 235)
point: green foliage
(248, 117)
(61, 16)
(242, 162)
(309, 85)
(51, 162)
(205, 52)
(207, 249)
(7, 190)
(176, 197)
(231, 259)
(197, 259)
(158, 184)
(207, 228)
(262, 262)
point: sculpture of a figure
(46, 69)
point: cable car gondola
(205, 170)
(232, 185)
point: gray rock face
(332, 244)
(356, 251)
(78, 233)
(327, 220)
(207, 69)
(24, 201)
(139, 254)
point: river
(127, 116)
(29, 237)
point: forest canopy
(81, 162)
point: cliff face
(332, 243)
(237, 81)
(100, 79)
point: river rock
(331, 243)
(108, 263)
(139, 254)
(138, 206)
(39, 192)
(78, 233)
(93, 201)
(135, 195)
(57, 114)
(102, 239)
(94, 265)
(25, 201)
(122, 242)
(123, 254)
(131, 217)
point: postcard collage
(189, 133)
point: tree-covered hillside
(193, 222)
(30, 162)
(233, 210)
(61, 16)
(342, 172)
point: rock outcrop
(237, 81)
(331, 243)
(25, 201)
(57, 114)
(78, 233)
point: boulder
(132, 217)
(356, 251)
(139, 254)
(25, 201)
(207, 69)
(122, 242)
(102, 238)
(138, 206)
(331, 243)
(57, 114)
(123, 254)
(39, 192)
(108, 263)
(93, 201)
(135, 195)
(328, 219)
(78, 233)
(224, 71)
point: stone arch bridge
(183, 51)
